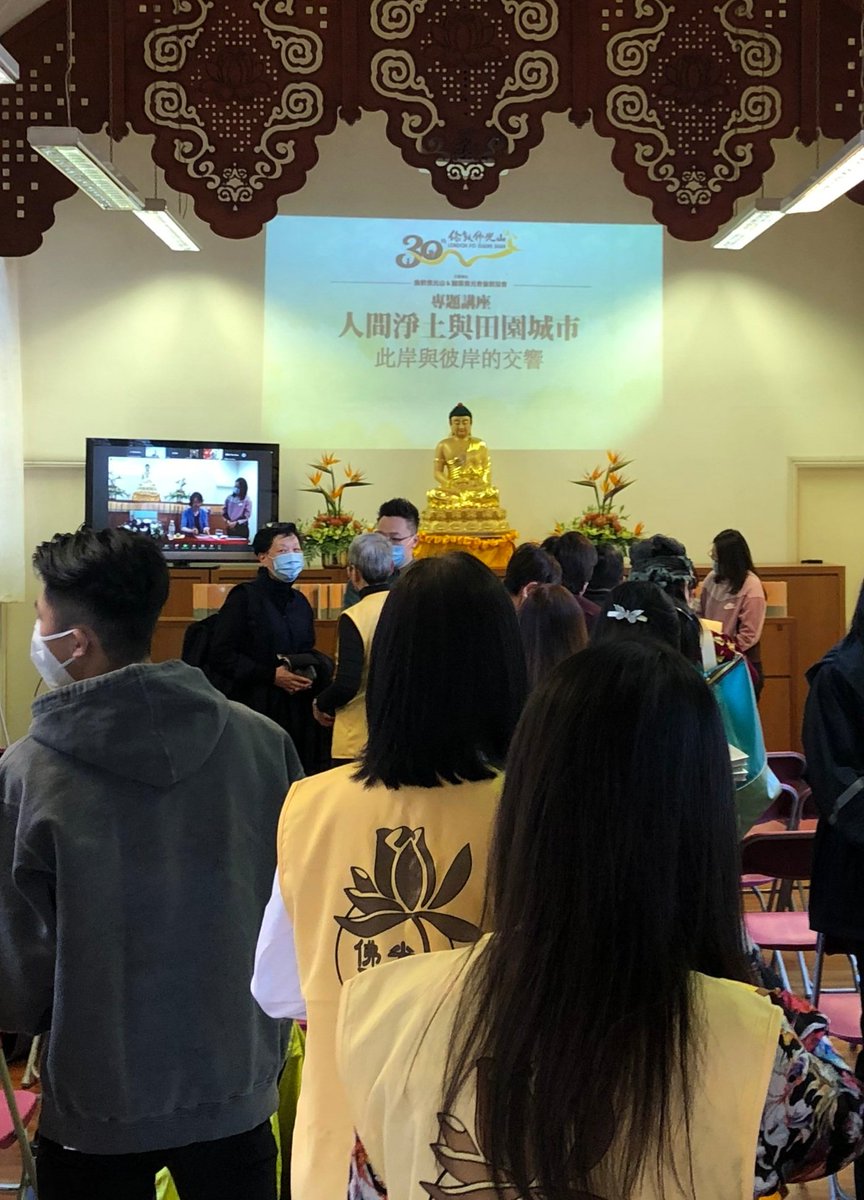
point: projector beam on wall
(156, 216)
(9, 70)
(742, 230)
(844, 171)
(64, 147)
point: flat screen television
(154, 487)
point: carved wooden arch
(236, 93)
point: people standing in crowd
(663, 560)
(608, 573)
(653, 1063)
(263, 646)
(398, 521)
(733, 595)
(528, 566)
(833, 737)
(137, 844)
(237, 509)
(552, 628)
(370, 567)
(578, 558)
(195, 519)
(387, 859)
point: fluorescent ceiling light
(750, 224)
(844, 171)
(155, 214)
(64, 147)
(9, 71)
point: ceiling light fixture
(156, 216)
(750, 224)
(9, 70)
(64, 147)
(844, 171)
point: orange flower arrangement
(331, 532)
(602, 521)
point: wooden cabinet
(776, 707)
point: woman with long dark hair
(552, 628)
(604, 1042)
(733, 595)
(237, 509)
(386, 859)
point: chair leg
(31, 1071)
(835, 1191)
(28, 1166)
(781, 970)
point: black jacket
(833, 737)
(259, 621)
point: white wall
(762, 352)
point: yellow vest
(392, 1044)
(369, 875)
(350, 732)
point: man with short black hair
(137, 850)
(398, 520)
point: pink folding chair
(16, 1110)
(781, 815)
(785, 856)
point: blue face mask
(398, 554)
(287, 566)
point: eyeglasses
(394, 537)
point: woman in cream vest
(604, 1043)
(386, 859)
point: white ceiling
(11, 12)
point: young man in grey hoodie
(137, 851)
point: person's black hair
(112, 580)
(552, 627)
(614, 874)
(577, 556)
(196, 496)
(447, 677)
(530, 564)
(661, 623)
(663, 560)
(267, 535)
(241, 483)
(460, 411)
(733, 559)
(609, 568)
(400, 507)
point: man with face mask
(137, 849)
(398, 520)
(263, 647)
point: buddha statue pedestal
(464, 511)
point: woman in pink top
(733, 594)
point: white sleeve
(276, 979)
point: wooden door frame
(796, 466)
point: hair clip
(618, 613)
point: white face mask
(53, 672)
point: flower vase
(331, 559)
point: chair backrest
(788, 765)
(780, 855)
(784, 807)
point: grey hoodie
(137, 850)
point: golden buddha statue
(146, 492)
(464, 501)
